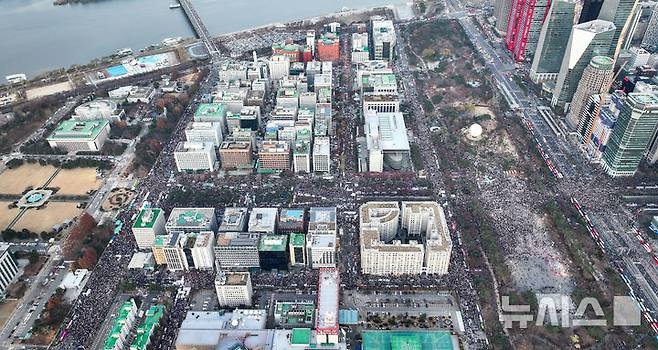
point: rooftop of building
(377, 97)
(322, 215)
(288, 214)
(321, 146)
(252, 319)
(327, 315)
(202, 126)
(237, 239)
(297, 239)
(263, 219)
(321, 240)
(274, 147)
(187, 146)
(273, 243)
(645, 99)
(370, 212)
(386, 131)
(234, 217)
(408, 340)
(214, 110)
(78, 129)
(147, 217)
(235, 145)
(232, 278)
(191, 217)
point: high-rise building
(321, 250)
(322, 221)
(8, 268)
(501, 12)
(297, 248)
(596, 79)
(525, 24)
(586, 41)
(553, 41)
(650, 38)
(619, 12)
(233, 288)
(383, 39)
(235, 155)
(604, 124)
(274, 156)
(321, 155)
(149, 223)
(590, 10)
(633, 132)
(279, 66)
(194, 156)
(204, 132)
(360, 50)
(236, 250)
(640, 20)
(273, 252)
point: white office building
(204, 132)
(279, 67)
(203, 253)
(8, 268)
(149, 223)
(381, 216)
(426, 249)
(321, 250)
(233, 288)
(383, 39)
(193, 156)
(386, 141)
(321, 155)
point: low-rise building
(80, 135)
(121, 326)
(99, 109)
(146, 329)
(322, 221)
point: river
(36, 36)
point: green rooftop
(297, 239)
(145, 330)
(161, 240)
(209, 112)
(78, 129)
(273, 243)
(300, 336)
(408, 340)
(147, 218)
(118, 324)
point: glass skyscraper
(552, 41)
(633, 131)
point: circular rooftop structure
(474, 132)
(602, 62)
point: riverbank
(78, 75)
